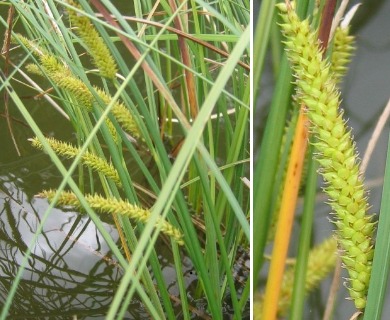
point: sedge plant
(170, 90)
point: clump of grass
(134, 93)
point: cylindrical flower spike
(60, 74)
(121, 113)
(335, 150)
(97, 49)
(89, 159)
(112, 205)
(343, 48)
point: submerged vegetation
(169, 82)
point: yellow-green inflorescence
(112, 205)
(336, 153)
(89, 159)
(121, 114)
(64, 78)
(97, 49)
(59, 73)
(343, 48)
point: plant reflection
(70, 271)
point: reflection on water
(69, 270)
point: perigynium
(336, 152)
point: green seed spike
(343, 49)
(74, 86)
(316, 88)
(97, 49)
(89, 159)
(121, 113)
(60, 74)
(112, 205)
(341, 53)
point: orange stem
(286, 217)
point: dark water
(70, 272)
(365, 92)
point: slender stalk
(381, 262)
(299, 290)
(286, 217)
